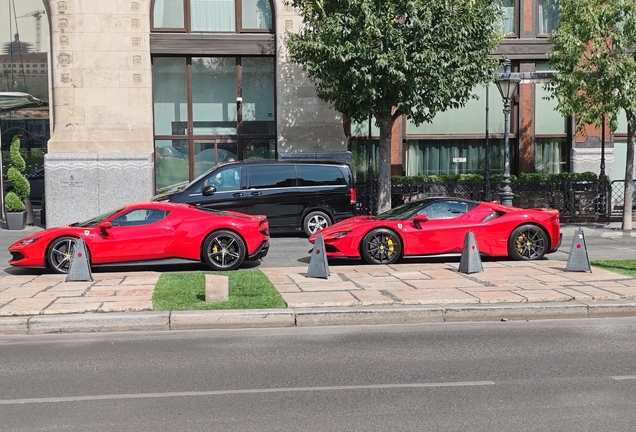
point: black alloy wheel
(224, 250)
(527, 242)
(381, 246)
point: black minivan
(295, 195)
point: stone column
(100, 155)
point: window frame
(536, 23)
(187, 18)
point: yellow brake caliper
(391, 248)
(521, 242)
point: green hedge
(525, 177)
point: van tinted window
(317, 175)
(274, 176)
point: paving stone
(64, 308)
(406, 275)
(497, 296)
(532, 295)
(576, 295)
(327, 286)
(433, 296)
(128, 305)
(13, 280)
(25, 307)
(598, 294)
(385, 285)
(300, 278)
(373, 297)
(318, 299)
(286, 287)
(626, 292)
(458, 283)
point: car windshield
(405, 211)
(93, 222)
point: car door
(444, 232)
(230, 194)
(136, 235)
(272, 192)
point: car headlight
(339, 234)
(29, 241)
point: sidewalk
(353, 294)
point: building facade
(148, 93)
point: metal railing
(575, 199)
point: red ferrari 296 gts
(150, 232)
(438, 226)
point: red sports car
(152, 232)
(438, 226)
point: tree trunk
(629, 174)
(384, 164)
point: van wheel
(315, 221)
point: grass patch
(624, 267)
(249, 289)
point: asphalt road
(570, 375)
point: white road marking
(232, 392)
(624, 377)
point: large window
(549, 12)
(550, 128)
(508, 23)
(212, 15)
(453, 156)
(201, 105)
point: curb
(309, 317)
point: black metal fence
(575, 199)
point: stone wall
(101, 108)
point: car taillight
(264, 227)
(352, 195)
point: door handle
(256, 193)
(237, 195)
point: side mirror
(208, 190)
(104, 227)
(418, 220)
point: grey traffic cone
(470, 261)
(79, 268)
(578, 259)
(318, 266)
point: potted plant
(14, 201)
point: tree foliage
(595, 63)
(20, 185)
(389, 58)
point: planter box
(16, 220)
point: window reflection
(168, 14)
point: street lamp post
(507, 84)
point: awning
(12, 101)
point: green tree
(595, 63)
(389, 58)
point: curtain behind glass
(257, 14)
(435, 157)
(213, 15)
(170, 95)
(214, 96)
(549, 13)
(168, 14)
(259, 115)
(549, 157)
(508, 20)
